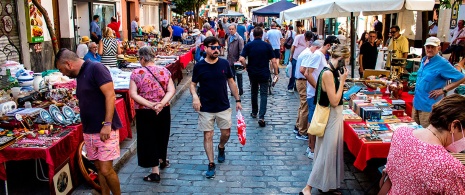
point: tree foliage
(183, 6)
(447, 4)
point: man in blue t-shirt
(431, 86)
(259, 54)
(213, 75)
(177, 32)
(241, 29)
(95, 31)
(100, 120)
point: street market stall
(274, 9)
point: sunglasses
(214, 47)
(393, 32)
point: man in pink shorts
(98, 114)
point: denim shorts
(311, 108)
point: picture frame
(62, 180)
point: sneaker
(296, 130)
(308, 150)
(211, 171)
(290, 91)
(301, 137)
(221, 155)
(261, 123)
(310, 155)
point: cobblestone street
(271, 162)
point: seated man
(92, 55)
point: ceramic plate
(59, 118)
(45, 116)
(68, 112)
(53, 108)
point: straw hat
(85, 39)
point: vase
(37, 81)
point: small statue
(396, 88)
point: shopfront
(10, 47)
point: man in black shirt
(259, 53)
(213, 74)
(368, 53)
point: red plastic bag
(241, 134)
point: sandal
(164, 164)
(261, 123)
(153, 177)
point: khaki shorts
(207, 120)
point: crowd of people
(318, 74)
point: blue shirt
(94, 27)
(259, 54)
(241, 30)
(431, 76)
(250, 28)
(274, 37)
(177, 31)
(90, 56)
(213, 79)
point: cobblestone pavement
(271, 162)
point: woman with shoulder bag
(328, 164)
(152, 88)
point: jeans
(263, 96)
(133, 35)
(287, 54)
(291, 85)
(239, 80)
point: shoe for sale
(301, 137)
(221, 155)
(211, 171)
(296, 130)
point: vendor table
(364, 151)
(60, 151)
(187, 57)
(176, 71)
(129, 105)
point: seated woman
(419, 161)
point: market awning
(232, 14)
(274, 9)
(343, 8)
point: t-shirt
(304, 55)
(241, 30)
(149, 88)
(134, 26)
(401, 44)
(300, 44)
(94, 27)
(318, 62)
(274, 37)
(259, 54)
(115, 27)
(82, 50)
(370, 55)
(264, 36)
(212, 79)
(91, 99)
(177, 31)
(92, 57)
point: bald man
(100, 120)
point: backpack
(289, 41)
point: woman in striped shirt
(108, 48)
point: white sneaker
(310, 155)
(290, 91)
(308, 151)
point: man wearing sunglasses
(212, 74)
(398, 43)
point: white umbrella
(343, 8)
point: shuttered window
(9, 34)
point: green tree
(189, 5)
(447, 4)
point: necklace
(434, 134)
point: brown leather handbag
(384, 184)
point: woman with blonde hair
(152, 88)
(108, 48)
(328, 164)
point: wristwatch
(106, 123)
(238, 101)
(444, 90)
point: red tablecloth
(125, 130)
(366, 151)
(361, 150)
(65, 148)
(187, 57)
(129, 105)
(176, 71)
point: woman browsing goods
(152, 88)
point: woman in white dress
(328, 164)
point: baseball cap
(434, 41)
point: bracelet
(444, 90)
(238, 101)
(106, 123)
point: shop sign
(34, 23)
(454, 15)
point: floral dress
(416, 167)
(147, 86)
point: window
(105, 11)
